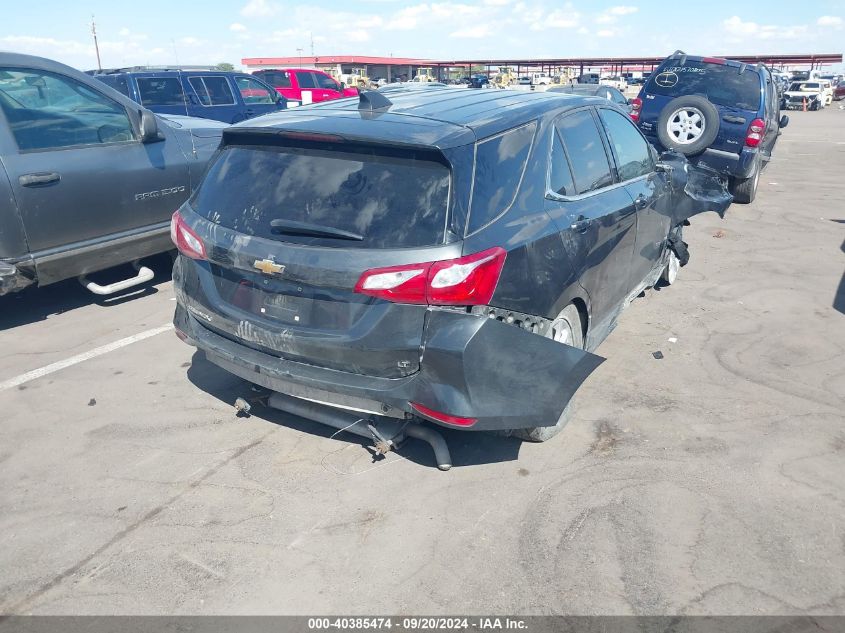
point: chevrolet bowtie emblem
(269, 267)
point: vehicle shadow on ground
(36, 304)
(466, 448)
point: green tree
(224, 66)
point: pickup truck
(88, 178)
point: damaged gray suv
(451, 257)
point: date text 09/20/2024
(416, 624)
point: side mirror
(342, 85)
(149, 128)
(784, 121)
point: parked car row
(229, 97)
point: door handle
(581, 224)
(38, 179)
(641, 202)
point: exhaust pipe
(383, 430)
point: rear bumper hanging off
(472, 367)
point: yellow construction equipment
(505, 77)
(357, 78)
(424, 75)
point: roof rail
(136, 69)
(372, 101)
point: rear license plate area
(287, 308)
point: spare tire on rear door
(688, 124)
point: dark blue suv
(719, 113)
(224, 96)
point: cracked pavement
(706, 482)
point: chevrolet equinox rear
(408, 260)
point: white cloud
(359, 35)
(46, 46)
(496, 3)
(130, 35)
(190, 41)
(829, 20)
(477, 31)
(612, 14)
(237, 27)
(566, 18)
(606, 32)
(259, 9)
(370, 22)
(410, 17)
(739, 29)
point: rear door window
(276, 78)
(160, 91)
(633, 158)
(391, 198)
(583, 142)
(499, 164)
(721, 84)
(213, 91)
(306, 80)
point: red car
(839, 91)
(304, 85)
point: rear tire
(566, 328)
(745, 190)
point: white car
(805, 93)
(616, 81)
(535, 79)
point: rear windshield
(723, 85)
(391, 198)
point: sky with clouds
(159, 32)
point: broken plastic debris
(92, 402)
(242, 407)
(658, 354)
(673, 339)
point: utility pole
(311, 35)
(299, 50)
(96, 45)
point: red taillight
(469, 280)
(755, 132)
(636, 106)
(188, 242)
(714, 60)
(445, 418)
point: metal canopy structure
(814, 60)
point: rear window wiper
(289, 227)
